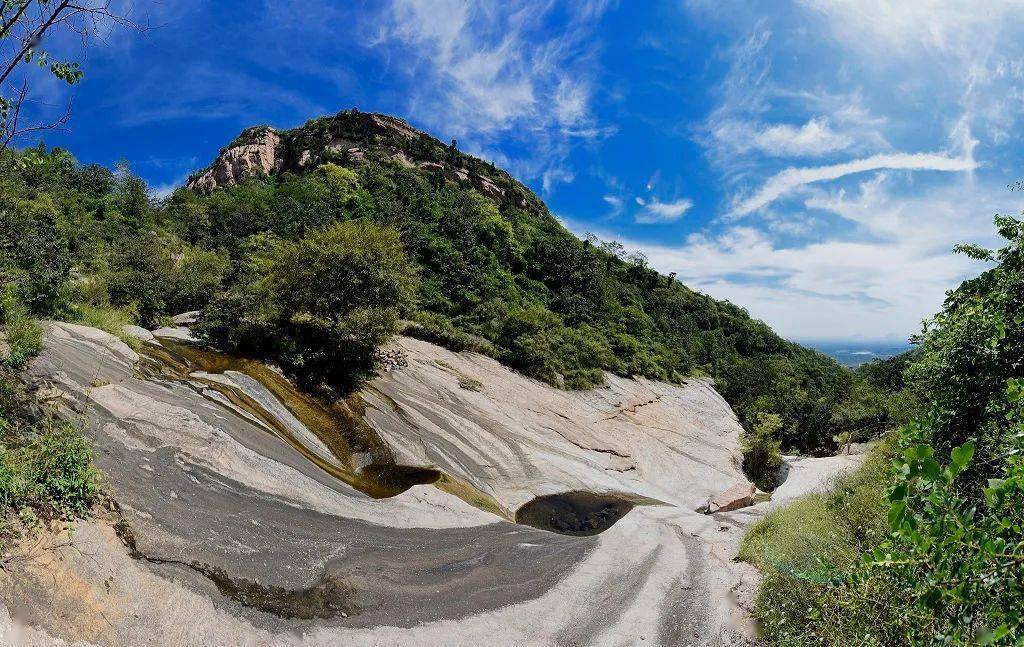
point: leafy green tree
(762, 450)
(322, 304)
(23, 26)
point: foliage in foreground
(45, 463)
(947, 566)
(762, 451)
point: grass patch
(806, 546)
(23, 336)
(108, 319)
(45, 463)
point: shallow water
(357, 454)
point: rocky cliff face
(349, 139)
(260, 153)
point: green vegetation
(45, 467)
(498, 275)
(326, 300)
(939, 558)
(21, 336)
(762, 450)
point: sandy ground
(240, 539)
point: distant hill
(853, 354)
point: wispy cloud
(792, 178)
(816, 137)
(655, 211)
(486, 72)
(877, 284)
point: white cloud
(816, 137)
(792, 178)
(616, 203)
(488, 73)
(877, 282)
(656, 211)
(553, 176)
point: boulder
(137, 332)
(185, 318)
(395, 125)
(403, 159)
(488, 188)
(456, 175)
(5, 348)
(740, 495)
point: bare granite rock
(261, 153)
(240, 516)
(740, 495)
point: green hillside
(264, 250)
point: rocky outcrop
(259, 152)
(249, 522)
(264, 150)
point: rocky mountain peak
(349, 139)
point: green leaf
(897, 514)
(961, 456)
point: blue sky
(814, 162)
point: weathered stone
(396, 125)
(185, 318)
(338, 145)
(137, 332)
(430, 167)
(488, 188)
(740, 495)
(403, 159)
(456, 174)
(260, 154)
(5, 348)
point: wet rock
(574, 513)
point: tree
(320, 305)
(762, 450)
(24, 27)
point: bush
(44, 463)
(762, 451)
(319, 305)
(939, 559)
(806, 547)
(109, 319)
(23, 336)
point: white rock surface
(201, 483)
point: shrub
(319, 305)
(23, 336)
(762, 450)
(45, 463)
(109, 319)
(805, 547)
